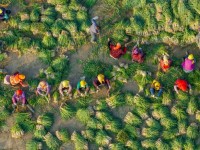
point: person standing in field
(165, 63)
(43, 89)
(94, 30)
(65, 89)
(189, 63)
(182, 85)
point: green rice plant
(197, 115)
(132, 131)
(102, 139)
(189, 144)
(192, 106)
(89, 3)
(132, 119)
(5, 2)
(46, 120)
(148, 143)
(40, 132)
(58, 2)
(104, 117)
(129, 98)
(33, 145)
(60, 63)
(23, 44)
(81, 16)
(178, 112)
(169, 134)
(56, 97)
(177, 143)
(61, 8)
(150, 133)
(113, 126)
(63, 38)
(122, 137)
(49, 20)
(115, 101)
(83, 115)
(69, 15)
(161, 145)
(71, 28)
(16, 131)
(133, 144)
(161, 112)
(167, 98)
(182, 125)
(116, 146)
(79, 142)
(50, 11)
(35, 14)
(4, 113)
(38, 28)
(168, 123)
(24, 26)
(192, 131)
(66, 111)
(13, 22)
(100, 105)
(152, 123)
(94, 123)
(143, 113)
(49, 41)
(51, 141)
(140, 101)
(62, 135)
(88, 134)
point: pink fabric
(188, 64)
(21, 98)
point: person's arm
(14, 99)
(60, 89)
(23, 99)
(78, 88)
(108, 83)
(176, 89)
(70, 89)
(39, 90)
(48, 89)
(95, 83)
(124, 50)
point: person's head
(43, 84)
(191, 57)
(101, 78)
(83, 83)
(118, 46)
(65, 83)
(21, 77)
(156, 84)
(1, 11)
(19, 92)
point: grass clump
(46, 120)
(51, 141)
(62, 135)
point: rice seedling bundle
(189, 144)
(140, 101)
(62, 135)
(60, 63)
(143, 113)
(177, 143)
(49, 20)
(16, 131)
(75, 5)
(150, 132)
(24, 26)
(192, 131)
(113, 126)
(178, 112)
(83, 115)
(57, 2)
(35, 15)
(182, 126)
(161, 145)
(13, 22)
(79, 142)
(129, 98)
(132, 119)
(133, 144)
(197, 115)
(132, 131)
(50, 11)
(46, 120)
(115, 101)
(101, 105)
(81, 16)
(122, 137)
(169, 134)
(63, 38)
(88, 134)
(49, 41)
(116, 146)
(152, 123)
(71, 27)
(93, 123)
(4, 113)
(40, 132)
(4, 2)
(66, 111)
(192, 106)
(148, 143)
(167, 98)
(160, 112)
(38, 28)
(89, 3)
(104, 117)
(33, 145)
(51, 141)
(168, 123)
(61, 8)
(24, 16)
(102, 139)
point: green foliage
(115, 100)
(79, 142)
(51, 141)
(62, 135)
(192, 131)
(40, 132)
(33, 145)
(122, 137)
(83, 115)
(132, 119)
(168, 123)
(88, 134)
(66, 111)
(46, 120)
(16, 131)
(102, 139)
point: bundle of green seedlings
(79, 141)
(51, 141)
(67, 111)
(34, 145)
(45, 120)
(119, 72)
(115, 100)
(62, 135)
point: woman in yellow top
(65, 88)
(156, 86)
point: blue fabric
(152, 91)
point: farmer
(101, 80)
(65, 88)
(198, 38)
(189, 63)
(15, 80)
(4, 13)
(165, 63)
(43, 89)
(156, 86)
(182, 85)
(137, 54)
(94, 30)
(82, 87)
(116, 51)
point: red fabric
(164, 66)
(138, 57)
(182, 84)
(117, 53)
